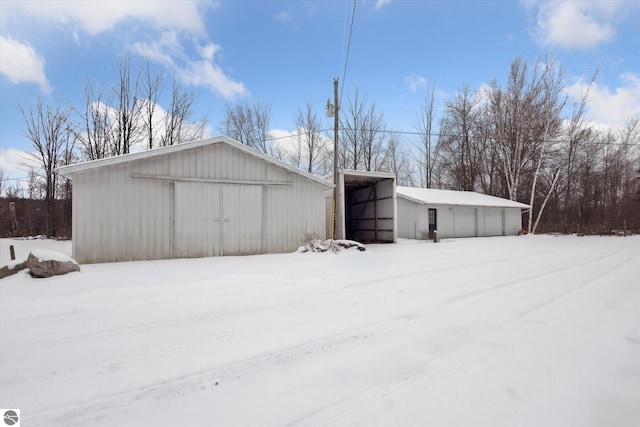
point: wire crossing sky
(284, 53)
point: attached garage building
(207, 198)
(422, 211)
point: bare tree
(249, 124)
(14, 191)
(309, 137)
(94, 131)
(4, 205)
(629, 137)
(262, 126)
(552, 103)
(35, 185)
(427, 148)
(7, 210)
(151, 90)
(237, 124)
(178, 127)
(375, 149)
(398, 162)
(362, 142)
(576, 133)
(126, 127)
(350, 140)
(516, 123)
(110, 125)
(48, 130)
(462, 140)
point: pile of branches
(329, 245)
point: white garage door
(217, 219)
(493, 222)
(464, 222)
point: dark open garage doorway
(367, 207)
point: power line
(344, 31)
(16, 179)
(400, 132)
(346, 59)
(442, 135)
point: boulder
(11, 269)
(41, 267)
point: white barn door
(217, 219)
(197, 226)
(242, 219)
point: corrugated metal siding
(512, 221)
(340, 231)
(386, 211)
(328, 208)
(117, 218)
(458, 221)
(292, 212)
(408, 219)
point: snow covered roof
(455, 198)
(70, 170)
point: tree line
(523, 139)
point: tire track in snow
(130, 362)
(342, 307)
(148, 326)
(358, 407)
(355, 280)
(98, 408)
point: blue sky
(287, 53)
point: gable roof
(429, 196)
(70, 170)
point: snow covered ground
(526, 331)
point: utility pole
(332, 111)
(335, 155)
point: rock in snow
(43, 263)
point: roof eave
(70, 170)
(479, 205)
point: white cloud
(284, 143)
(381, 3)
(414, 81)
(21, 63)
(15, 163)
(284, 17)
(162, 51)
(575, 24)
(206, 73)
(611, 107)
(208, 51)
(98, 16)
(169, 52)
